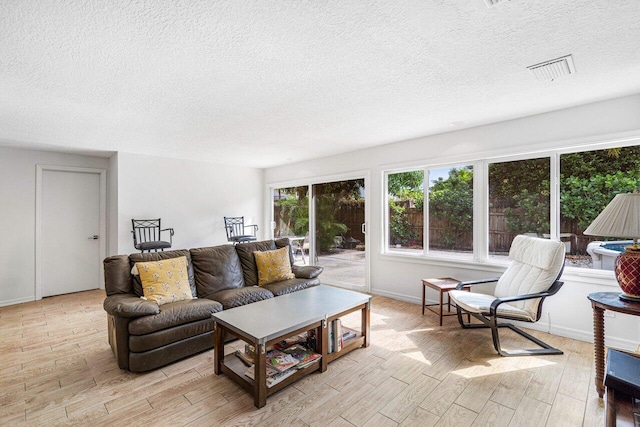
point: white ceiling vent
(550, 70)
(490, 3)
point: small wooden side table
(442, 285)
(601, 301)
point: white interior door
(69, 246)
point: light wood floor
(56, 368)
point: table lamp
(621, 219)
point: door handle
(94, 237)
(363, 227)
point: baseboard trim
(576, 334)
(400, 297)
(579, 335)
(16, 301)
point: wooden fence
(353, 218)
(352, 215)
(499, 237)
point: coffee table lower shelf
(235, 369)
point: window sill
(458, 263)
(570, 274)
(590, 277)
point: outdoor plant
(405, 188)
(294, 215)
(399, 226)
(582, 199)
(293, 210)
(326, 225)
(451, 200)
(531, 212)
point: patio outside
(341, 266)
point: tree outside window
(406, 218)
(451, 209)
(519, 202)
(589, 180)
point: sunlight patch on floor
(418, 356)
(481, 368)
(413, 331)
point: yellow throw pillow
(273, 266)
(165, 281)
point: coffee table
(264, 323)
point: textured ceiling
(263, 83)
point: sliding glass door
(340, 242)
(326, 224)
(291, 219)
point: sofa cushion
(241, 296)
(216, 269)
(273, 266)
(291, 285)
(173, 314)
(139, 343)
(156, 256)
(161, 356)
(165, 281)
(117, 275)
(306, 271)
(248, 261)
(129, 305)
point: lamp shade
(621, 218)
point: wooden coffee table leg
(260, 380)
(322, 339)
(366, 319)
(423, 297)
(441, 307)
(598, 346)
(218, 349)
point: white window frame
(481, 202)
(426, 250)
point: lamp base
(627, 269)
(629, 298)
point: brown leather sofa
(145, 336)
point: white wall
(112, 213)
(17, 216)
(569, 312)
(191, 197)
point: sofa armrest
(129, 305)
(307, 271)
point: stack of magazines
(281, 363)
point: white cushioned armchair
(534, 273)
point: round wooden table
(601, 301)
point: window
(556, 195)
(519, 202)
(588, 182)
(450, 210)
(406, 215)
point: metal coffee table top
(272, 318)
